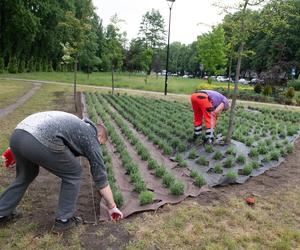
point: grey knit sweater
(58, 130)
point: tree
(241, 37)
(87, 53)
(75, 27)
(152, 33)
(1, 64)
(175, 56)
(113, 52)
(152, 29)
(212, 51)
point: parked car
(222, 79)
(256, 80)
(243, 81)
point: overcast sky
(186, 16)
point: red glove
(115, 213)
(8, 158)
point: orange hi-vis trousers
(203, 107)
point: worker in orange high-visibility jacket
(207, 104)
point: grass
(126, 80)
(11, 91)
(23, 234)
(233, 225)
(44, 99)
(225, 224)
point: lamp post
(167, 63)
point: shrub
(131, 168)
(249, 141)
(193, 174)
(218, 155)
(290, 93)
(230, 150)
(200, 181)
(181, 147)
(267, 158)
(241, 159)
(290, 148)
(267, 91)
(292, 129)
(229, 162)
(178, 157)
(192, 154)
(50, 67)
(12, 66)
(134, 177)
(177, 188)
(231, 175)
(168, 179)
(21, 66)
(258, 88)
(139, 186)
(208, 148)
(268, 142)
(274, 155)
(118, 198)
(202, 161)
(146, 197)
(218, 169)
(160, 171)
(295, 85)
(145, 155)
(152, 164)
(254, 164)
(262, 149)
(1, 64)
(182, 164)
(167, 150)
(253, 152)
(283, 151)
(247, 169)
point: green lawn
(11, 91)
(127, 80)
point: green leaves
(212, 51)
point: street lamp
(170, 3)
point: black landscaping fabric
(162, 195)
(214, 179)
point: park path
(136, 91)
(5, 111)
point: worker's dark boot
(9, 218)
(60, 226)
(208, 140)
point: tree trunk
(234, 97)
(112, 80)
(237, 76)
(75, 82)
(146, 79)
(229, 70)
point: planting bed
(146, 133)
